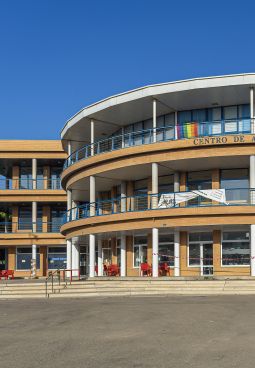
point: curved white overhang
(135, 105)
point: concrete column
(154, 119)
(123, 194)
(34, 217)
(91, 255)
(69, 152)
(34, 173)
(252, 242)
(75, 258)
(92, 195)
(155, 252)
(175, 125)
(100, 258)
(68, 255)
(154, 185)
(123, 255)
(177, 253)
(33, 261)
(92, 136)
(69, 204)
(252, 179)
(176, 182)
(252, 109)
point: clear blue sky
(58, 56)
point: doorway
(200, 253)
(3, 259)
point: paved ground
(174, 331)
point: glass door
(84, 261)
(206, 253)
(3, 259)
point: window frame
(234, 241)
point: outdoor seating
(146, 269)
(113, 270)
(164, 269)
(7, 274)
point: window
(236, 183)
(39, 178)
(25, 178)
(199, 180)
(25, 218)
(24, 257)
(140, 250)
(56, 258)
(166, 184)
(235, 248)
(166, 249)
(55, 173)
(140, 202)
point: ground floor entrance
(3, 259)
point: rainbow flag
(187, 130)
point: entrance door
(207, 259)
(3, 259)
(84, 261)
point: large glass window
(56, 258)
(24, 257)
(236, 184)
(166, 184)
(25, 218)
(26, 178)
(55, 173)
(166, 249)
(199, 180)
(235, 248)
(140, 250)
(140, 202)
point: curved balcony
(161, 201)
(170, 133)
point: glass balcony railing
(195, 198)
(30, 184)
(168, 133)
(30, 227)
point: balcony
(30, 184)
(189, 199)
(29, 227)
(170, 133)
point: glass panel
(200, 237)
(230, 112)
(236, 235)
(166, 184)
(166, 249)
(236, 183)
(199, 115)
(194, 254)
(23, 258)
(184, 117)
(235, 253)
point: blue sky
(58, 56)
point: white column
(122, 137)
(175, 125)
(176, 182)
(123, 194)
(252, 201)
(68, 256)
(154, 119)
(154, 185)
(75, 258)
(92, 136)
(100, 258)
(34, 173)
(177, 253)
(252, 109)
(33, 261)
(92, 195)
(252, 246)
(69, 204)
(91, 255)
(155, 252)
(123, 255)
(69, 152)
(34, 216)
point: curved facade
(161, 181)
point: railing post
(154, 120)
(252, 109)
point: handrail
(51, 277)
(30, 184)
(30, 226)
(193, 129)
(145, 202)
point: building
(163, 175)
(32, 203)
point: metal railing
(29, 226)
(233, 197)
(54, 278)
(30, 184)
(171, 132)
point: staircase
(127, 287)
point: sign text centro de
(224, 140)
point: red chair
(96, 270)
(145, 269)
(163, 269)
(113, 270)
(6, 274)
